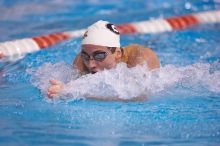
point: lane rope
(13, 50)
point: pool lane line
(13, 50)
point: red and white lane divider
(12, 50)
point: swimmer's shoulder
(136, 54)
(135, 50)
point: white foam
(127, 83)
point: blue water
(183, 107)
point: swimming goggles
(97, 56)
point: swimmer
(101, 50)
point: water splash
(127, 83)
(60, 71)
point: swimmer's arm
(57, 87)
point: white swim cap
(102, 33)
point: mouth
(93, 72)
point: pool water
(183, 106)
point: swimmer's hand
(55, 89)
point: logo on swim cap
(85, 34)
(112, 28)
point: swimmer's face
(97, 58)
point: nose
(91, 63)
